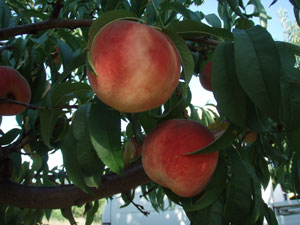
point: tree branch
(34, 107)
(6, 33)
(55, 197)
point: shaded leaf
(230, 96)
(71, 162)
(105, 134)
(239, 191)
(185, 55)
(10, 136)
(193, 29)
(258, 68)
(220, 143)
(90, 165)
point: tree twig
(6, 33)
(34, 107)
(57, 6)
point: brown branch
(56, 9)
(34, 107)
(6, 33)
(204, 40)
(64, 196)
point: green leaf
(290, 87)
(90, 165)
(104, 126)
(189, 29)
(70, 160)
(231, 98)
(37, 161)
(138, 6)
(239, 191)
(78, 60)
(185, 55)
(294, 140)
(214, 188)
(220, 143)
(213, 20)
(258, 68)
(257, 201)
(59, 96)
(9, 136)
(256, 121)
(47, 123)
(212, 215)
(91, 213)
(270, 215)
(103, 20)
(180, 8)
(62, 93)
(5, 15)
(296, 173)
(66, 53)
(234, 5)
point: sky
(200, 96)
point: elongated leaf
(193, 29)
(258, 68)
(212, 215)
(296, 173)
(231, 98)
(47, 123)
(294, 140)
(185, 55)
(71, 162)
(66, 53)
(255, 120)
(239, 191)
(257, 201)
(220, 143)
(180, 8)
(5, 14)
(90, 165)
(9, 136)
(105, 131)
(213, 20)
(290, 88)
(91, 213)
(60, 95)
(270, 215)
(234, 5)
(214, 188)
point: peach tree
(254, 79)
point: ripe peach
(205, 76)
(13, 86)
(164, 160)
(137, 67)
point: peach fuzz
(164, 160)
(205, 76)
(13, 86)
(137, 67)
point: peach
(164, 160)
(205, 76)
(137, 67)
(13, 86)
